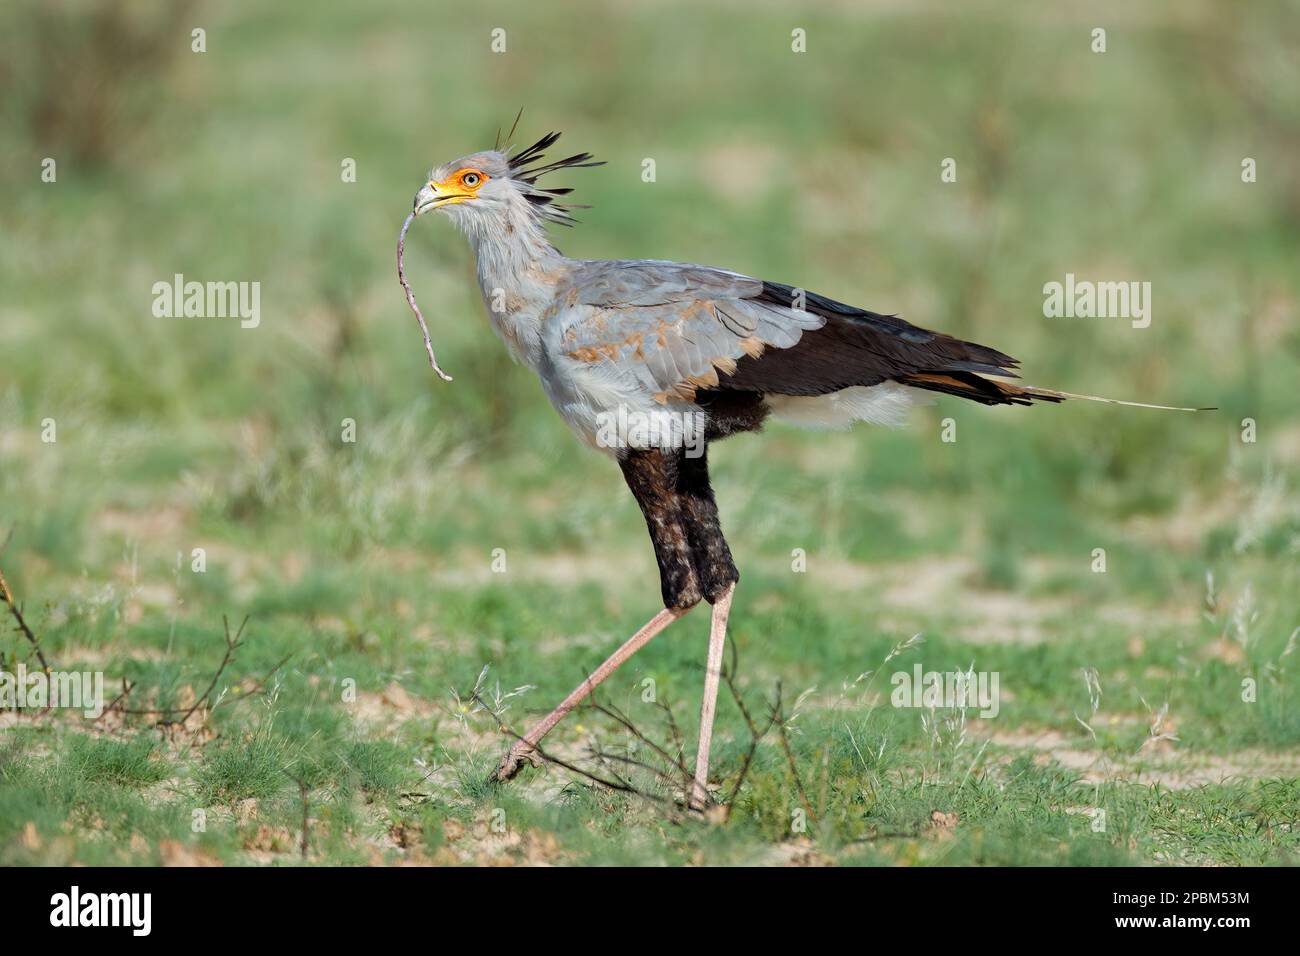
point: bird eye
(471, 179)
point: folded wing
(680, 329)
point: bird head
(494, 185)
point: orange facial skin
(460, 186)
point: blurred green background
(818, 169)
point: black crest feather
(529, 165)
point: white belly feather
(608, 411)
(883, 404)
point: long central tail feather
(1050, 393)
(989, 391)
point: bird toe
(513, 762)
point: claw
(513, 761)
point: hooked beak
(432, 195)
(425, 199)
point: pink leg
(712, 675)
(523, 750)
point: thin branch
(778, 717)
(167, 715)
(549, 758)
(755, 735)
(127, 687)
(615, 714)
(410, 296)
(7, 596)
(678, 740)
(599, 758)
(304, 793)
(659, 772)
(231, 646)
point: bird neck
(517, 272)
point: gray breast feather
(671, 326)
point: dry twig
(7, 596)
(410, 296)
(778, 717)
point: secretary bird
(651, 361)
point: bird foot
(701, 800)
(513, 761)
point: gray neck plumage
(518, 269)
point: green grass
(366, 568)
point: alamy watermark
(208, 300)
(75, 908)
(663, 428)
(37, 690)
(955, 690)
(1084, 299)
